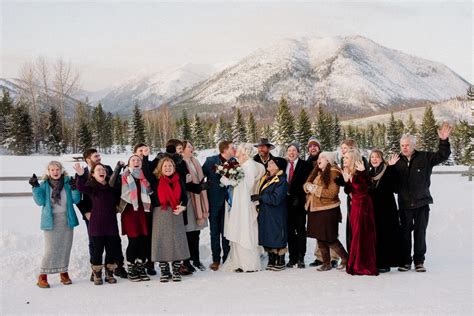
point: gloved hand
(72, 183)
(34, 181)
(255, 197)
(120, 165)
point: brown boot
(214, 266)
(109, 273)
(325, 255)
(341, 252)
(43, 281)
(64, 276)
(97, 269)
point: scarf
(169, 191)
(377, 173)
(199, 201)
(57, 186)
(130, 190)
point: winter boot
(279, 262)
(109, 273)
(272, 257)
(199, 265)
(165, 272)
(120, 271)
(92, 277)
(150, 267)
(326, 256)
(141, 270)
(97, 269)
(341, 252)
(64, 277)
(176, 267)
(419, 267)
(43, 281)
(133, 272)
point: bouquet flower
(232, 171)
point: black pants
(137, 248)
(113, 250)
(415, 220)
(193, 245)
(91, 244)
(296, 233)
(216, 225)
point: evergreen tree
(54, 134)
(393, 135)
(266, 132)
(85, 136)
(252, 136)
(220, 134)
(184, 130)
(380, 133)
(108, 139)
(197, 133)
(370, 134)
(98, 127)
(138, 127)
(283, 126)
(337, 132)
(429, 131)
(410, 127)
(119, 137)
(324, 128)
(20, 141)
(303, 131)
(461, 145)
(6, 108)
(238, 128)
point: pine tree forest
(90, 126)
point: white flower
(220, 168)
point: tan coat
(322, 198)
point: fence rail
(466, 173)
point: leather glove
(72, 183)
(205, 185)
(34, 181)
(255, 197)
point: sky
(110, 41)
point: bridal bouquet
(232, 171)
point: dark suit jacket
(215, 194)
(297, 196)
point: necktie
(292, 170)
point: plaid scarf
(130, 190)
(57, 186)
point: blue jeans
(216, 225)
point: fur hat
(294, 143)
(313, 140)
(329, 155)
(280, 162)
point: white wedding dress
(240, 224)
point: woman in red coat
(362, 259)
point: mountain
(15, 88)
(155, 89)
(350, 75)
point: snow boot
(419, 267)
(176, 277)
(43, 281)
(150, 267)
(165, 272)
(109, 273)
(133, 274)
(325, 255)
(341, 252)
(279, 262)
(64, 277)
(141, 270)
(272, 258)
(120, 271)
(97, 269)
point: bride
(240, 224)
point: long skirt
(324, 225)
(168, 240)
(242, 258)
(57, 246)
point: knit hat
(313, 140)
(294, 143)
(329, 155)
(280, 162)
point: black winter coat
(414, 176)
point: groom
(216, 196)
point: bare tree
(29, 93)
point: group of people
(166, 201)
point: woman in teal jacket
(56, 194)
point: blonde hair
(354, 156)
(56, 164)
(246, 149)
(157, 172)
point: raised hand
(120, 164)
(146, 151)
(394, 158)
(444, 131)
(78, 168)
(34, 181)
(360, 166)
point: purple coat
(103, 221)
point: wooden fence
(468, 173)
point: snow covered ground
(445, 289)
